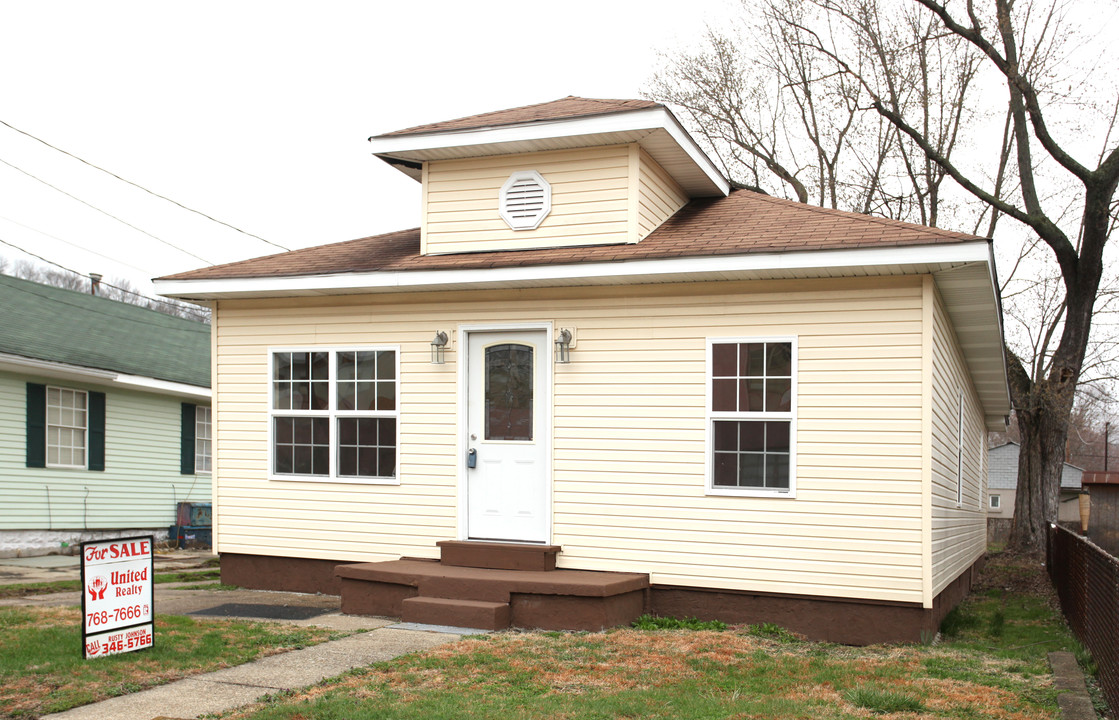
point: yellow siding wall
(658, 196)
(629, 434)
(590, 196)
(959, 530)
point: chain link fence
(1087, 582)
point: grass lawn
(990, 663)
(42, 670)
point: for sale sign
(117, 607)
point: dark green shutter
(96, 431)
(186, 447)
(36, 425)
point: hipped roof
(742, 223)
(562, 109)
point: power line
(72, 244)
(141, 187)
(177, 306)
(103, 212)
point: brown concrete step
(498, 556)
(550, 600)
(456, 613)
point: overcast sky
(258, 113)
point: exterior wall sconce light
(563, 346)
(438, 346)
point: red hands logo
(97, 589)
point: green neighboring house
(104, 418)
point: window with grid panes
(67, 422)
(334, 414)
(203, 437)
(752, 407)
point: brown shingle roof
(743, 222)
(562, 109)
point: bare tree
(931, 71)
(785, 120)
(117, 289)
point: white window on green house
(752, 416)
(335, 414)
(203, 439)
(67, 422)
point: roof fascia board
(77, 373)
(658, 118)
(651, 270)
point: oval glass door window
(509, 369)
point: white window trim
(332, 415)
(711, 416)
(47, 427)
(197, 424)
(994, 502)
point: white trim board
(877, 261)
(63, 371)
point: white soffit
(655, 129)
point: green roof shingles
(64, 326)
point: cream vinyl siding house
(629, 441)
(714, 402)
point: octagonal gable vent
(526, 199)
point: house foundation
(460, 594)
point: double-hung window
(66, 428)
(751, 404)
(334, 414)
(203, 439)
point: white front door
(507, 416)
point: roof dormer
(571, 172)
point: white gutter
(647, 270)
(65, 371)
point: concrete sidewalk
(236, 686)
(382, 639)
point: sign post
(117, 606)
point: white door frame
(462, 441)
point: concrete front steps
(493, 586)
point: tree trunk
(1041, 457)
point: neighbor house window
(66, 427)
(203, 439)
(751, 416)
(995, 502)
(335, 414)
